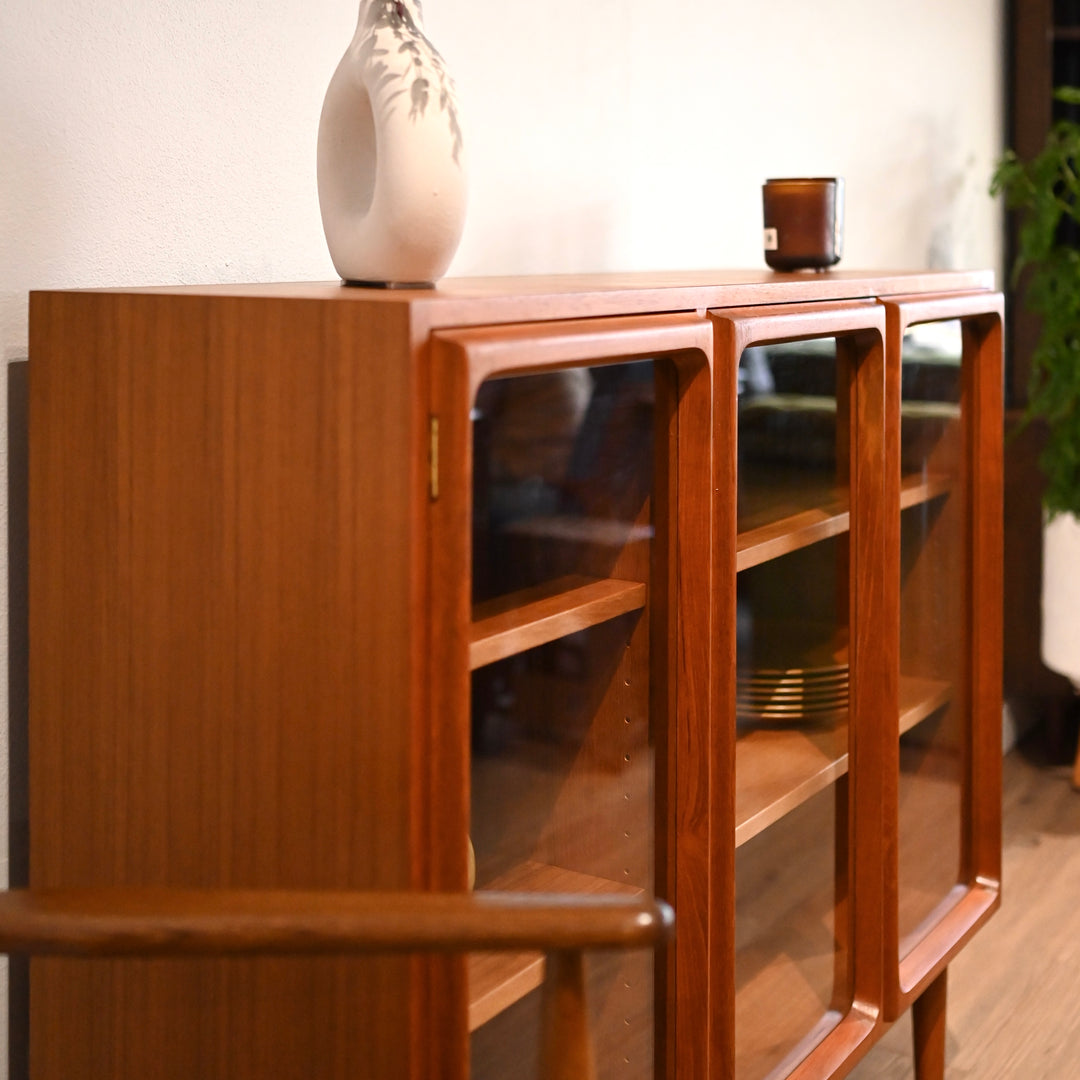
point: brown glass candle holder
(804, 222)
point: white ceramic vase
(390, 158)
(1061, 596)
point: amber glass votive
(804, 222)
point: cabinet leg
(928, 1026)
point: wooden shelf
(778, 769)
(512, 624)
(915, 490)
(920, 698)
(497, 980)
(828, 516)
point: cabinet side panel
(222, 654)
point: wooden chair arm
(121, 921)
(116, 921)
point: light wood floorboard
(1014, 992)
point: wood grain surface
(175, 922)
(214, 672)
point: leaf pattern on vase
(429, 75)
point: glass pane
(792, 626)
(787, 431)
(563, 759)
(792, 682)
(933, 560)
(562, 474)
(789, 959)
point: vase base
(389, 284)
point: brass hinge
(433, 459)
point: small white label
(771, 240)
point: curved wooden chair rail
(121, 922)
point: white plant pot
(390, 160)
(1061, 596)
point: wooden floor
(1014, 993)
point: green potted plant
(1046, 193)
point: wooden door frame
(859, 327)
(978, 891)
(461, 359)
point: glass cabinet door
(572, 698)
(563, 742)
(809, 398)
(945, 393)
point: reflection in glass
(933, 558)
(562, 474)
(790, 458)
(563, 758)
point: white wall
(630, 134)
(175, 140)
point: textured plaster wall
(168, 142)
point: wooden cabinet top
(513, 299)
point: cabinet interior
(565, 720)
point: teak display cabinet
(676, 585)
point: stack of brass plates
(807, 695)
